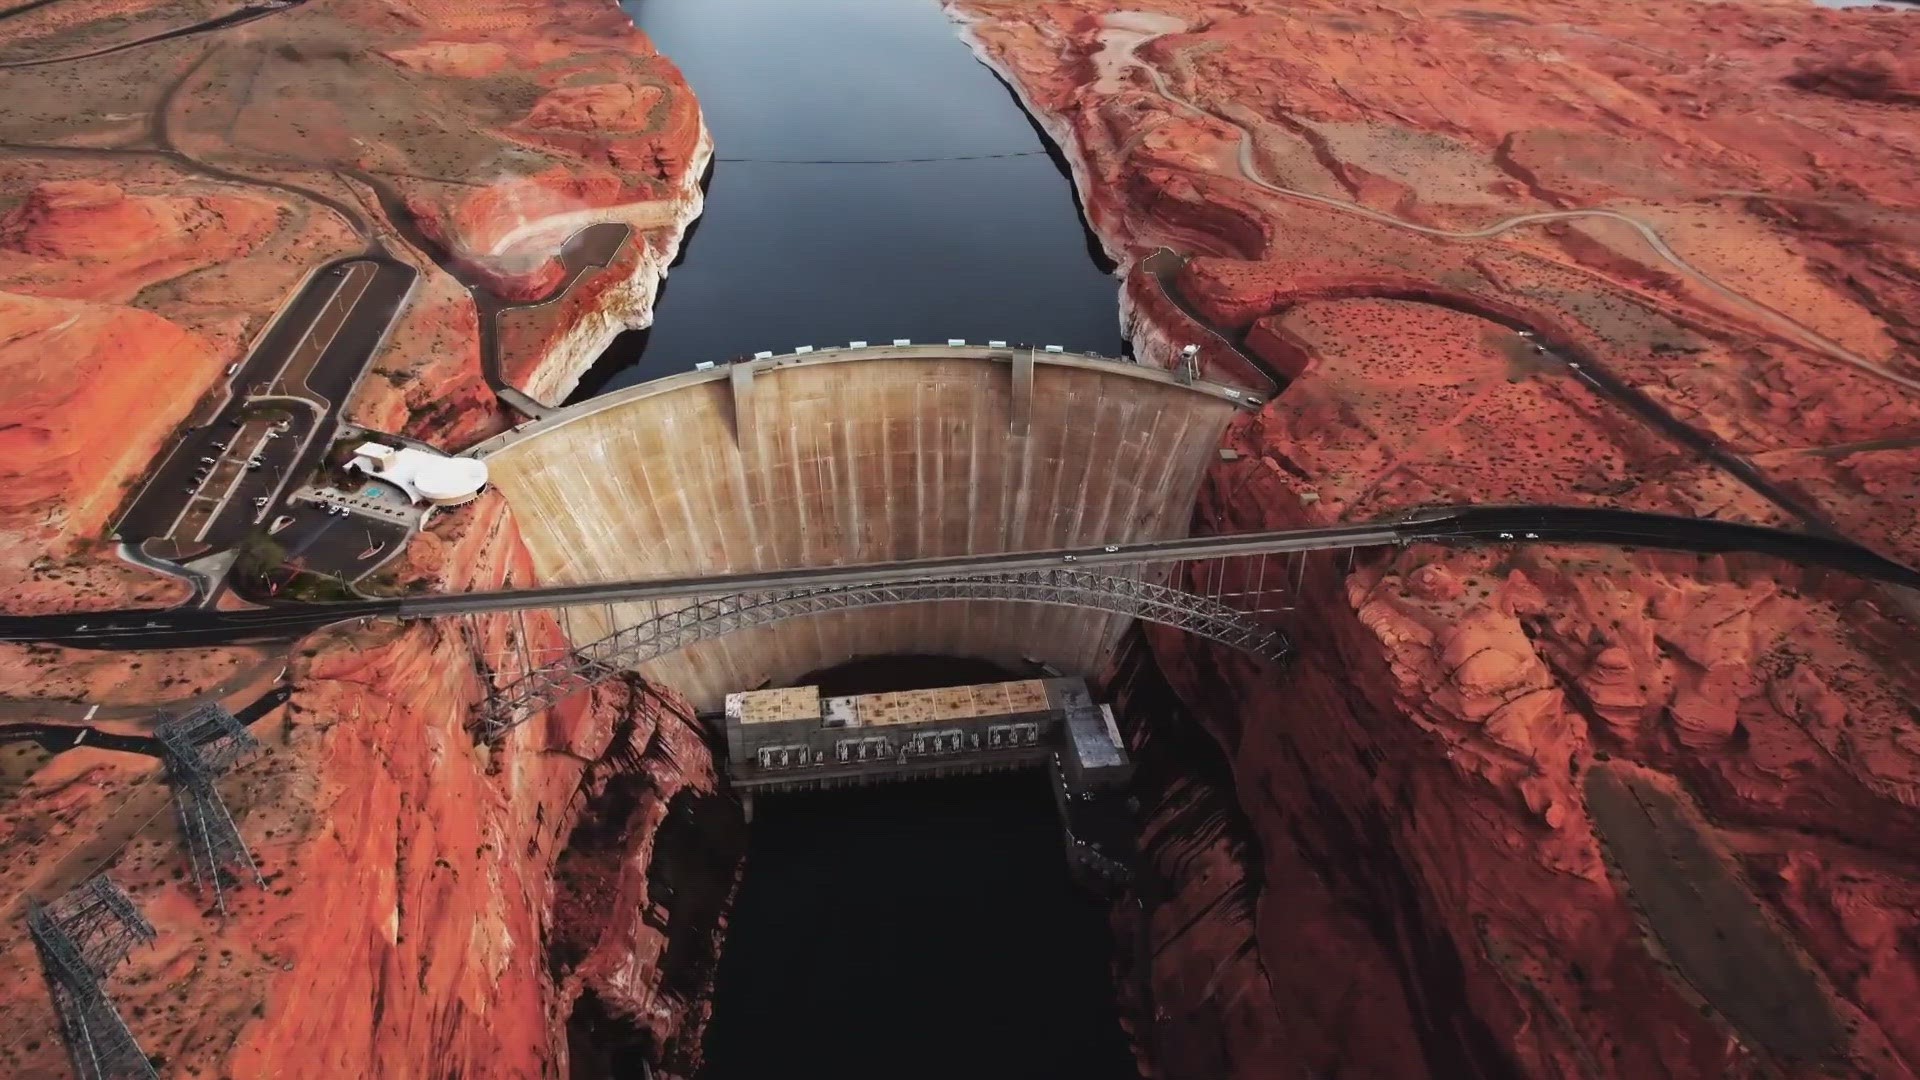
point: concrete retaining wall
(848, 457)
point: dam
(871, 454)
(861, 455)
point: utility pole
(80, 938)
(199, 748)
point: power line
(878, 161)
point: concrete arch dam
(861, 455)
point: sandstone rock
(614, 107)
(410, 873)
(51, 455)
(1879, 75)
(84, 219)
(92, 239)
(1456, 698)
(1435, 582)
(462, 59)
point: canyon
(1510, 810)
(428, 908)
(1543, 812)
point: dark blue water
(822, 254)
(925, 930)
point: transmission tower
(199, 748)
(80, 938)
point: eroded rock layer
(159, 204)
(410, 923)
(1529, 811)
(166, 186)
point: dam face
(857, 456)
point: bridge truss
(1223, 603)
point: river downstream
(871, 181)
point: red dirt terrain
(171, 197)
(124, 293)
(1529, 812)
(159, 203)
(413, 919)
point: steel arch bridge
(597, 661)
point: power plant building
(793, 738)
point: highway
(238, 17)
(55, 738)
(180, 627)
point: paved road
(1456, 525)
(22, 9)
(1779, 321)
(592, 248)
(1636, 401)
(1164, 266)
(232, 18)
(58, 737)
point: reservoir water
(825, 223)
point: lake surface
(794, 253)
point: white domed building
(425, 477)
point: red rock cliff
(423, 915)
(1526, 812)
(409, 927)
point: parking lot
(220, 479)
(238, 475)
(336, 545)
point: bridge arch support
(1128, 597)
